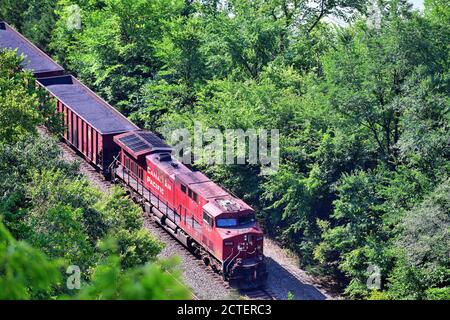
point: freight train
(213, 224)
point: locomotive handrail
(112, 166)
(225, 262)
(232, 250)
(115, 159)
(232, 259)
(141, 183)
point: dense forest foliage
(53, 221)
(362, 108)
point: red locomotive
(216, 226)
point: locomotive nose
(251, 246)
(249, 270)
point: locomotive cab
(242, 242)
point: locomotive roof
(219, 200)
(170, 168)
(208, 189)
(35, 60)
(86, 104)
(192, 177)
(139, 143)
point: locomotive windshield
(234, 222)
(247, 220)
(226, 223)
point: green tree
(112, 52)
(123, 221)
(24, 271)
(153, 281)
(19, 104)
(424, 270)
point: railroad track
(259, 294)
(167, 237)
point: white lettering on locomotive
(156, 186)
(160, 178)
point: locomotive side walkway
(284, 274)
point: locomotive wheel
(206, 260)
(215, 268)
